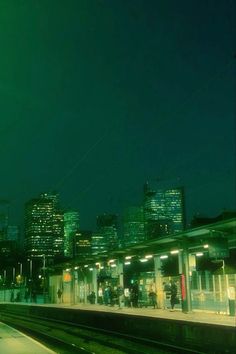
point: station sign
(218, 248)
(66, 277)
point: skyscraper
(164, 211)
(82, 243)
(13, 233)
(99, 244)
(43, 231)
(4, 216)
(133, 226)
(71, 226)
(107, 225)
(39, 227)
(58, 232)
(175, 208)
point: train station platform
(14, 341)
(196, 316)
(206, 332)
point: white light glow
(199, 254)
(174, 251)
(164, 256)
(205, 246)
(143, 260)
(128, 257)
(127, 263)
(149, 256)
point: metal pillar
(76, 284)
(185, 282)
(13, 275)
(4, 284)
(121, 273)
(95, 283)
(72, 288)
(44, 278)
(85, 289)
(158, 281)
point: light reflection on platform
(13, 341)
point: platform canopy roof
(193, 239)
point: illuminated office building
(164, 211)
(13, 233)
(71, 226)
(133, 226)
(107, 225)
(82, 243)
(4, 216)
(175, 208)
(58, 232)
(43, 231)
(99, 244)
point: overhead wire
(193, 94)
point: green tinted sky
(96, 97)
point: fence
(211, 292)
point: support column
(76, 284)
(158, 281)
(85, 289)
(72, 287)
(95, 283)
(121, 273)
(185, 282)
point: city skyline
(155, 203)
(118, 175)
(139, 203)
(96, 98)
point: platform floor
(15, 342)
(196, 316)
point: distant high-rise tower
(175, 208)
(107, 225)
(4, 215)
(82, 243)
(42, 227)
(58, 232)
(13, 233)
(133, 226)
(163, 211)
(71, 226)
(99, 244)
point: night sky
(98, 96)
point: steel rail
(143, 345)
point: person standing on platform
(59, 295)
(135, 294)
(100, 295)
(152, 298)
(120, 294)
(107, 295)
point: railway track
(69, 338)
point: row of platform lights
(164, 256)
(112, 262)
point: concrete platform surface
(15, 342)
(196, 316)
